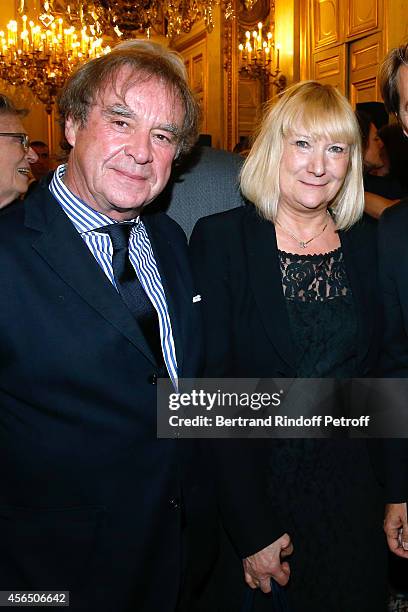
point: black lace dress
(327, 490)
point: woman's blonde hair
(320, 110)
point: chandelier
(125, 18)
(259, 58)
(41, 55)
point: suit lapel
(266, 282)
(171, 277)
(60, 245)
(356, 268)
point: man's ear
(71, 129)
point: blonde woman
(289, 289)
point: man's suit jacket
(247, 334)
(393, 258)
(204, 183)
(90, 500)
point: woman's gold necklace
(303, 243)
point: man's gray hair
(146, 60)
(7, 107)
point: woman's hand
(266, 564)
(396, 529)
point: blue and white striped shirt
(86, 220)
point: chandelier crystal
(125, 18)
(41, 55)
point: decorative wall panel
(343, 42)
(326, 23)
(364, 90)
(363, 16)
(196, 62)
(249, 105)
(329, 66)
(197, 73)
(365, 56)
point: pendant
(303, 245)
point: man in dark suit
(393, 253)
(97, 303)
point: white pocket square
(196, 298)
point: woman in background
(289, 289)
(382, 187)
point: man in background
(393, 257)
(41, 167)
(16, 153)
(204, 183)
(382, 188)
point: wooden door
(365, 56)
